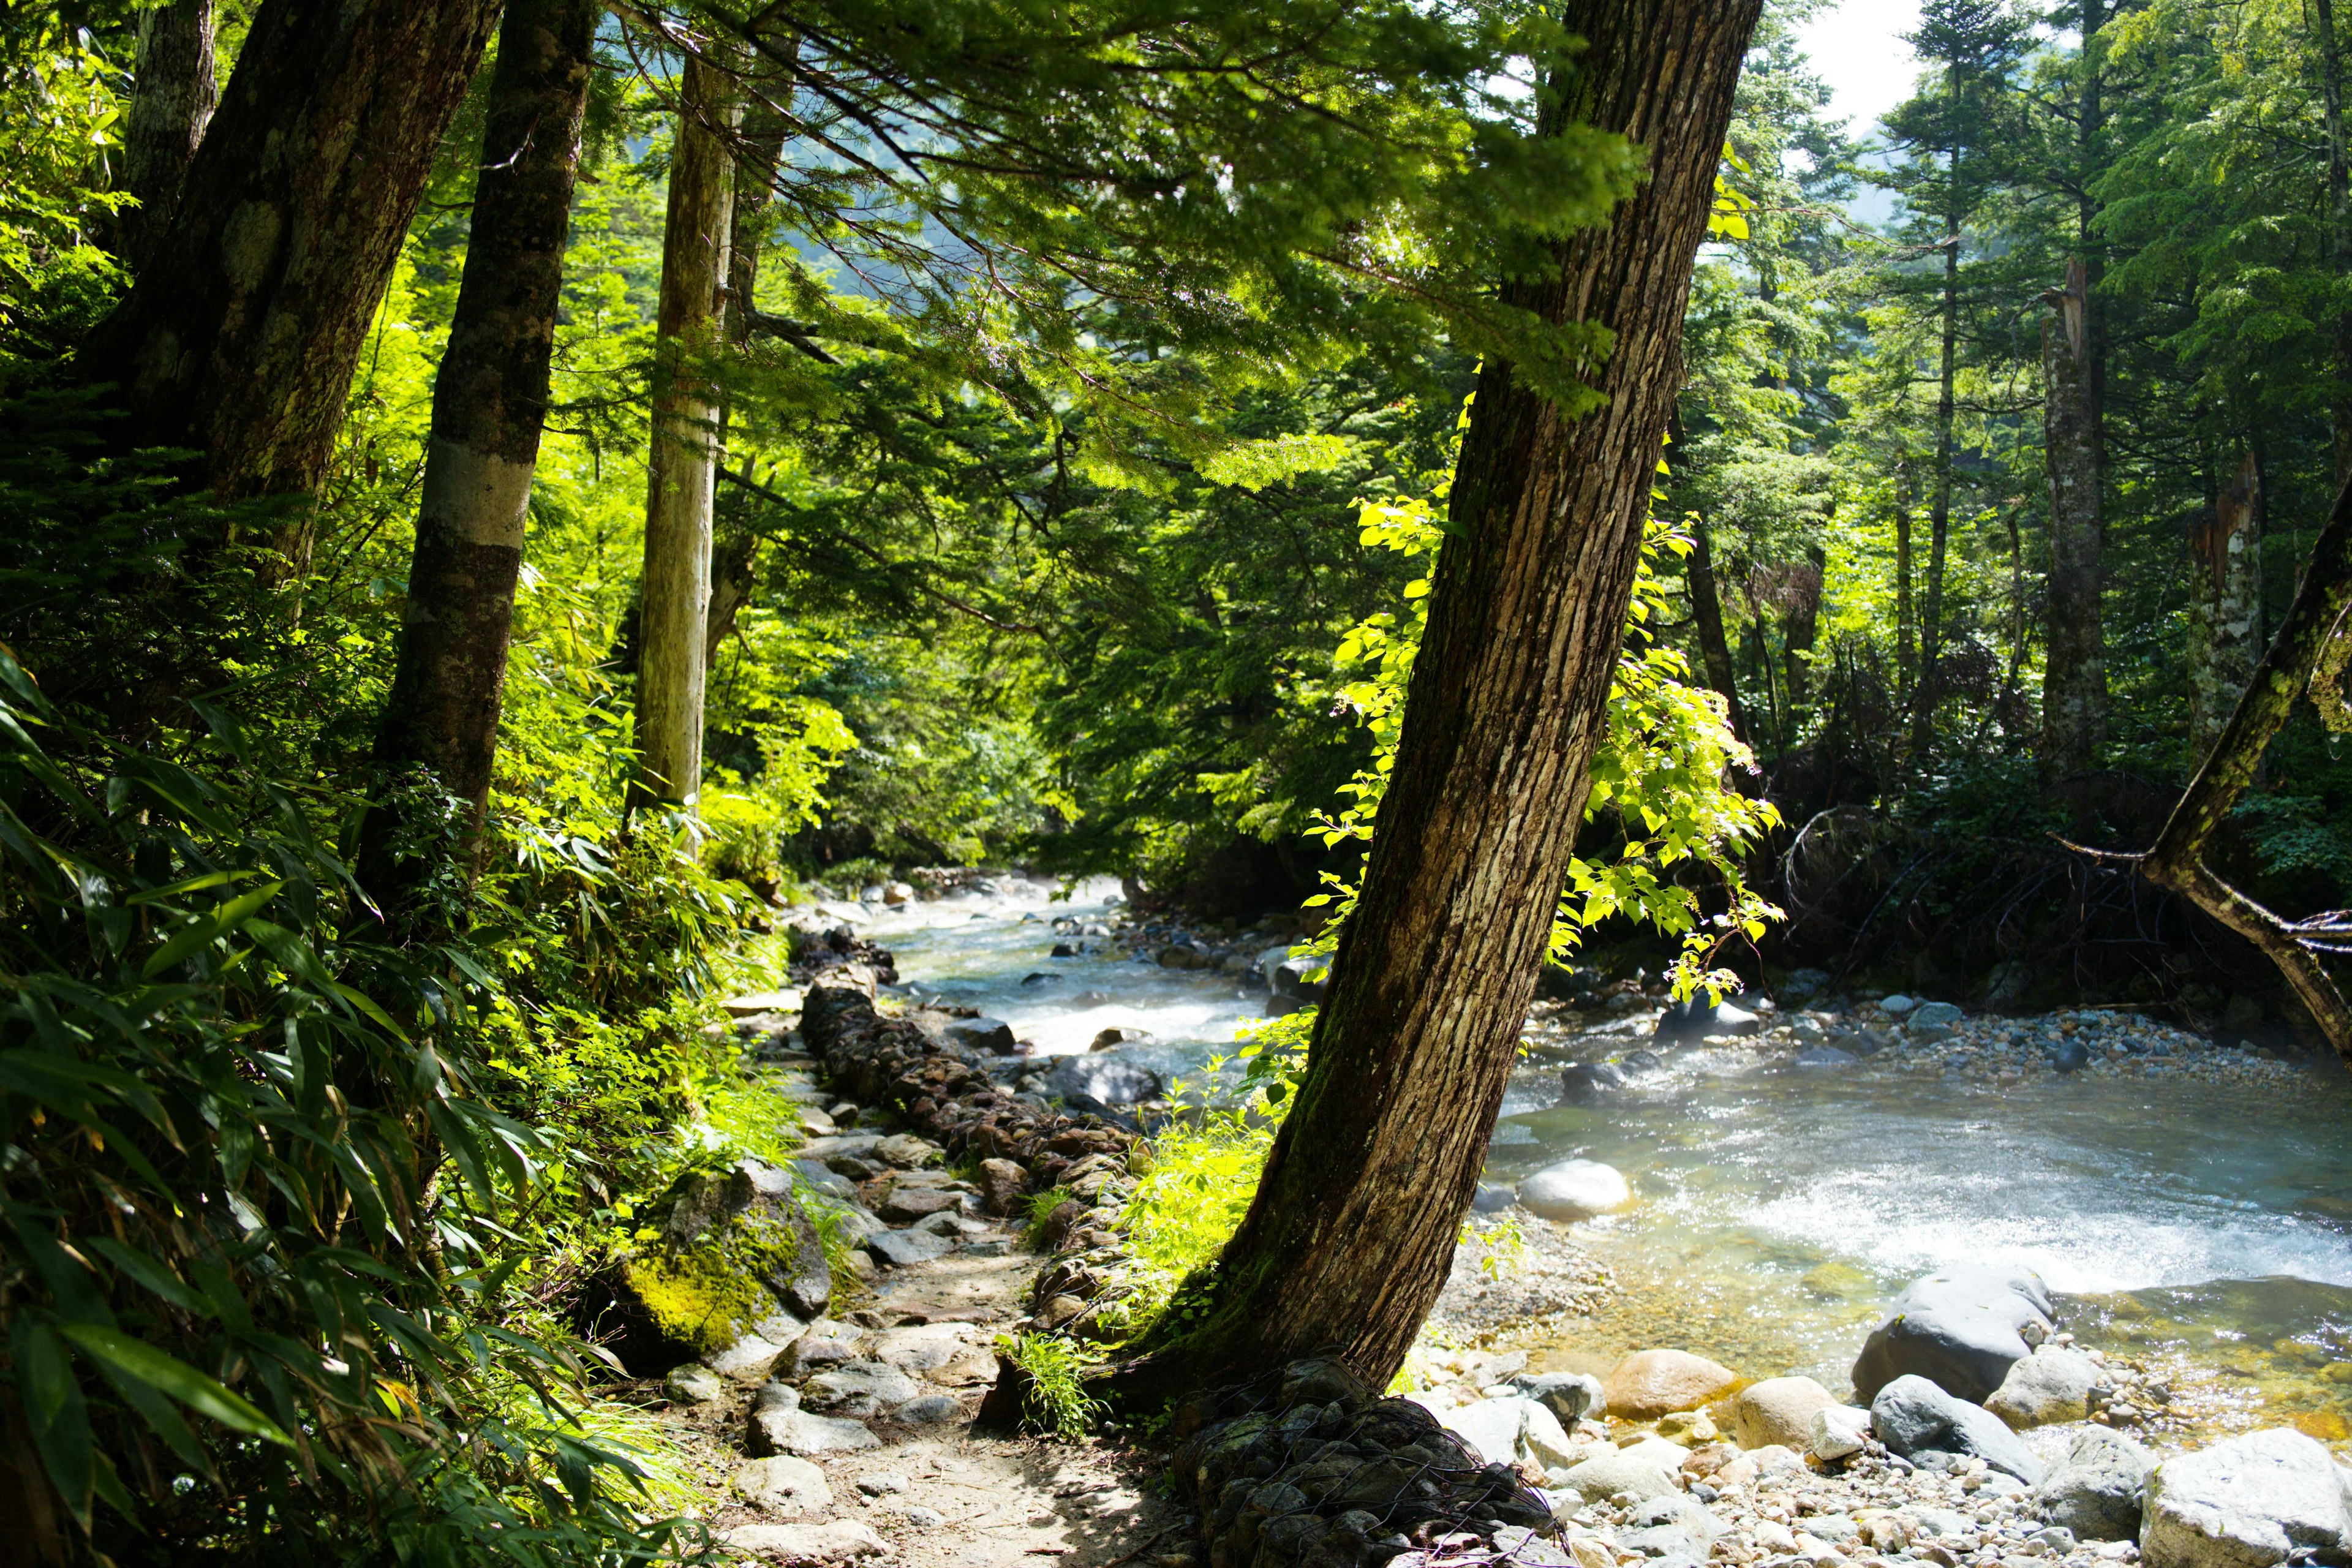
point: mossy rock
(727, 1271)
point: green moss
(710, 1295)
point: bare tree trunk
(173, 90)
(1714, 647)
(489, 403)
(1351, 1233)
(682, 469)
(2309, 654)
(2073, 680)
(2225, 627)
(2339, 215)
(240, 338)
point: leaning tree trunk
(682, 469)
(1351, 1233)
(240, 338)
(2073, 680)
(173, 92)
(489, 401)
(2310, 653)
(1713, 647)
(2225, 624)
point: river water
(2205, 1229)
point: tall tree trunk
(2225, 632)
(2339, 218)
(173, 92)
(240, 338)
(682, 469)
(1939, 505)
(489, 402)
(1802, 630)
(1905, 622)
(2074, 680)
(1351, 1233)
(1714, 647)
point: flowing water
(2203, 1228)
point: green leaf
(201, 930)
(56, 1413)
(184, 1383)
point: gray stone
(1649, 1468)
(1823, 1058)
(2097, 1490)
(860, 1389)
(1575, 1190)
(928, 1410)
(1962, 1329)
(1934, 1015)
(922, 1518)
(907, 1152)
(1581, 1083)
(748, 1352)
(779, 1426)
(2051, 1386)
(992, 1036)
(1916, 1419)
(1697, 1017)
(813, 1174)
(1291, 978)
(694, 1384)
(1778, 1410)
(906, 1204)
(1111, 1078)
(882, 1483)
(2248, 1503)
(1896, 1005)
(1669, 1524)
(782, 1484)
(843, 1541)
(1837, 1432)
(901, 1249)
(1570, 1397)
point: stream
(2202, 1229)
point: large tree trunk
(1906, 646)
(682, 469)
(1352, 1230)
(240, 338)
(2339, 215)
(489, 402)
(2073, 680)
(1713, 647)
(173, 92)
(2225, 626)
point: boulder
(1491, 1426)
(1934, 1015)
(1570, 1397)
(843, 1541)
(1778, 1410)
(1493, 1199)
(1921, 1422)
(1649, 1468)
(1109, 1080)
(825, 1344)
(2053, 1384)
(1699, 1018)
(1655, 1382)
(782, 1484)
(1962, 1329)
(992, 1036)
(1575, 1190)
(1003, 1184)
(1838, 1432)
(2248, 1502)
(2098, 1490)
(830, 1182)
(860, 1388)
(694, 1384)
(900, 1248)
(1301, 979)
(734, 1272)
(779, 1426)
(2070, 1056)
(1581, 1083)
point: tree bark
(240, 338)
(489, 403)
(1802, 630)
(1906, 630)
(2225, 627)
(2073, 680)
(682, 469)
(1714, 647)
(2308, 652)
(173, 92)
(1351, 1233)
(2340, 219)
(1939, 505)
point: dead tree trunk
(2073, 680)
(489, 402)
(2309, 655)
(240, 338)
(173, 92)
(1351, 1233)
(682, 469)
(2225, 627)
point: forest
(1315, 786)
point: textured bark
(1906, 631)
(1351, 1233)
(240, 338)
(684, 459)
(173, 92)
(2311, 637)
(735, 550)
(2073, 680)
(1714, 647)
(2340, 211)
(2225, 626)
(489, 403)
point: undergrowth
(1055, 1401)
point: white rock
(1650, 1467)
(2248, 1502)
(1574, 1190)
(1838, 1432)
(2051, 1386)
(752, 1354)
(782, 1485)
(843, 1541)
(1491, 1426)
(1543, 1442)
